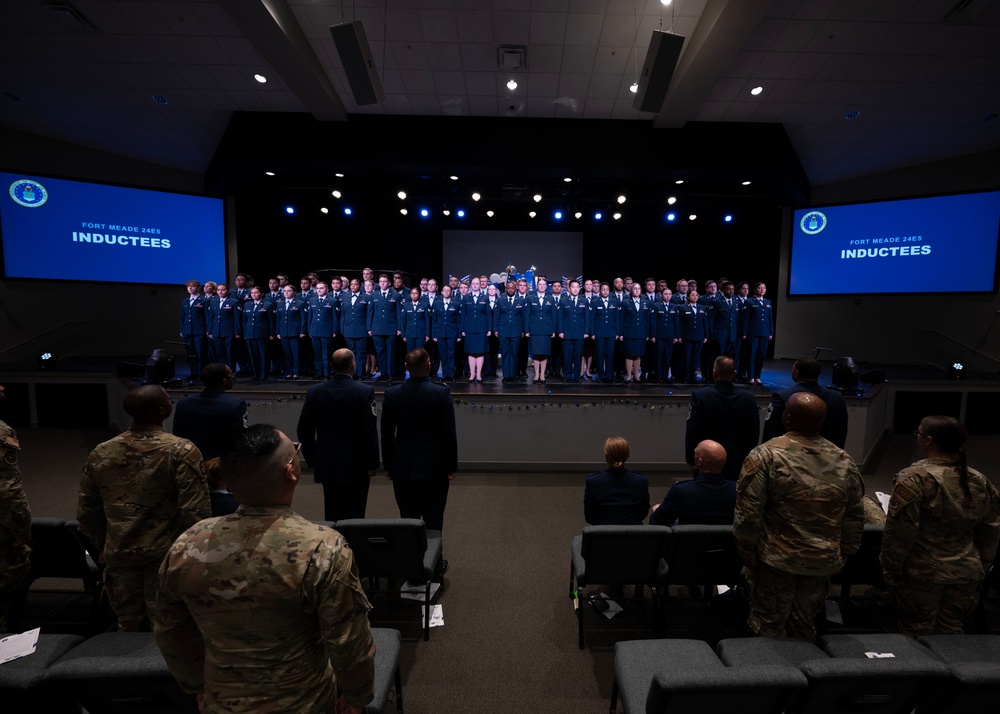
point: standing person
(573, 323)
(15, 522)
(383, 325)
(616, 496)
(194, 328)
(508, 325)
(476, 329)
(692, 324)
(940, 535)
(541, 327)
(757, 330)
(805, 374)
(212, 418)
(225, 324)
(419, 443)
(324, 320)
(290, 328)
(636, 331)
(446, 331)
(433, 303)
(259, 330)
(340, 440)
(493, 340)
(799, 517)
(140, 491)
(354, 324)
(556, 365)
(413, 316)
(261, 610)
(725, 321)
(524, 346)
(742, 348)
(606, 324)
(665, 331)
(724, 413)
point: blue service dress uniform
(194, 330)
(725, 413)
(475, 323)
(606, 324)
(692, 321)
(725, 324)
(636, 323)
(665, 331)
(354, 327)
(259, 330)
(758, 329)
(508, 324)
(616, 497)
(383, 323)
(445, 332)
(225, 321)
(324, 321)
(290, 325)
(413, 324)
(541, 324)
(573, 322)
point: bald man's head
(147, 405)
(804, 413)
(342, 361)
(710, 457)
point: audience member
(211, 418)
(805, 373)
(616, 496)
(223, 500)
(15, 521)
(710, 498)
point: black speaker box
(657, 71)
(356, 56)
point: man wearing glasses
(262, 610)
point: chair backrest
(624, 554)
(704, 555)
(57, 551)
(843, 685)
(864, 568)
(754, 689)
(386, 548)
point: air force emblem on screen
(28, 193)
(812, 223)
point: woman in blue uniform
(665, 331)
(758, 329)
(476, 329)
(636, 327)
(445, 332)
(413, 326)
(541, 327)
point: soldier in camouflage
(15, 522)
(798, 517)
(262, 610)
(941, 533)
(139, 491)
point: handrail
(41, 334)
(962, 344)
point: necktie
(321, 300)
(383, 296)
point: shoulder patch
(752, 463)
(903, 494)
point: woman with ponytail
(616, 496)
(941, 533)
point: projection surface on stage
(553, 253)
(55, 229)
(943, 244)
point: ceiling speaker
(356, 56)
(657, 71)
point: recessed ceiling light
(446, 212)
(692, 217)
(324, 209)
(666, 2)
(671, 200)
(679, 181)
(489, 214)
(269, 173)
(260, 78)
(634, 87)
(289, 210)
(402, 195)
(512, 85)
(617, 216)
(453, 178)
(532, 214)
(159, 99)
(476, 196)
(537, 197)
(567, 179)
(746, 183)
(577, 215)
(403, 211)
(621, 199)
(335, 194)
(339, 175)
(756, 90)
(852, 115)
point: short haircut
(142, 402)
(213, 375)
(808, 368)
(342, 363)
(189, 283)
(616, 451)
(417, 359)
(248, 463)
(724, 367)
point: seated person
(223, 500)
(709, 499)
(617, 496)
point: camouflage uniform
(139, 491)
(15, 523)
(938, 542)
(798, 517)
(260, 609)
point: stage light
(159, 99)
(532, 214)
(511, 85)
(728, 218)
(453, 177)
(956, 370)
(671, 200)
(634, 87)
(621, 199)
(598, 216)
(347, 210)
(403, 211)
(845, 374)
(558, 215)
(537, 198)
(336, 194)
(339, 175)
(756, 90)
(446, 212)
(402, 195)
(489, 214)
(679, 181)
(746, 183)
(46, 360)
(289, 210)
(324, 209)
(260, 78)
(460, 213)
(666, 2)
(568, 179)
(424, 212)
(269, 173)
(693, 217)
(671, 217)
(476, 196)
(852, 115)
(617, 216)
(577, 215)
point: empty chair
(678, 676)
(23, 682)
(618, 555)
(119, 672)
(974, 663)
(400, 548)
(704, 555)
(387, 647)
(863, 568)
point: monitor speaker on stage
(356, 56)
(159, 367)
(873, 376)
(657, 71)
(845, 374)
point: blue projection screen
(55, 229)
(944, 244)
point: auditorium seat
(23, 683)
(387, 648)
(974, 663)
